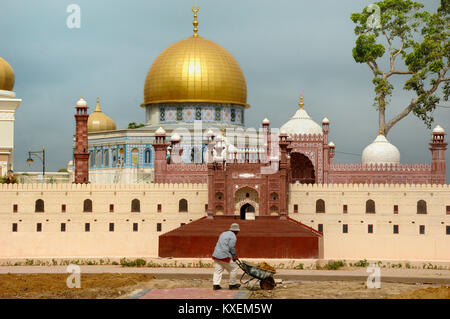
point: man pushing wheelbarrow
(224, 257)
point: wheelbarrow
(264, 276)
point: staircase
(265, 237)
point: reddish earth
(115, 285)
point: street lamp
(41, 156)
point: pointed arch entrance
(302, 169)
(246, 200)
(246, 208)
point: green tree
(401, 30)
(134, 125)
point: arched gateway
(246, 208)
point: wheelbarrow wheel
(267, 284)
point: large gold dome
(6, 76)
(195, 70)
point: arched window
(98, 158)
(274, 196)
(219, 210)
(106, 158)
(135, 206)
(122, 156)
(421, 207)
(39, 206)
(114, 157)
(183, 206)
(370, 207)
(91, 159)
(87, 206)
(274, 210)
(148, 157)
(320, 206)
(135, 156)
(219, 196)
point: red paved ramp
(191, 293)
(265, 237)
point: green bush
(335, 265)
(299, 266)
(361, 263)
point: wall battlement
(381, 167)
(100, 187)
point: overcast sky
(281, 46)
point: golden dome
(6, 76)
(195, 70)
(98, 121)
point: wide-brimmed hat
(234, 227)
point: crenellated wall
(380, 173)
(99, 241)
(382, 244)
(358, 243)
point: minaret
(81, 154)
(160, 164)
(8, 106)
(438, 148)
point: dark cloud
(282, 47)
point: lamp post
(41, 156)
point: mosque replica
(194, 168)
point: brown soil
(124, 285)
(343, 290)
(442, 292)
(53, 286)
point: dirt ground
(124, 285)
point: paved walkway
(387, 275)
(190, 293)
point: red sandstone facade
(239, 183)
(81, 154)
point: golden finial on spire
(301, 100)
(381, 132)
(223, 131)
(195, 9)
(97, 107)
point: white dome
(160, 131)
(301, 123)
(81, 102)
(381, 152)
(325, 120)
(175, 137)
(331, 144)
(266, 121)
(438, 129)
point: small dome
(98, 121)
(210, 133)
(175, 137)
(325, 120)
(302, 124)
(6, 76)
(381, 152)
(266, 121)
(160, 131)
(81, 102)
(331, 144)
(438, 129)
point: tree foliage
(134, 125)
(420, 39)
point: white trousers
(231, 267)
